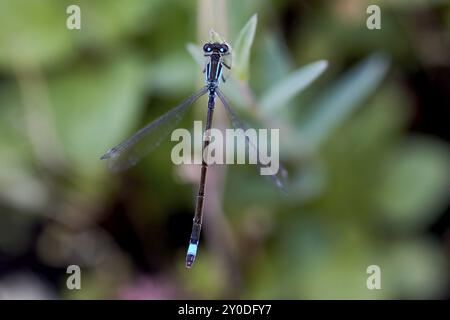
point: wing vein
(133, 149)
(237, 123)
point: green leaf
(95, 108)
(171, 74)
(311, 269)
(274, 56)
(33, 31)
(241, 55)
(196, 53)
(283, 92)
(215, 37)
(338, 102)
(36, 32)
(415, 180)
(415, 268)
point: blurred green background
(366, 146)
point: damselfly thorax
(214, 67)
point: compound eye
(223, 48)
(207, 48)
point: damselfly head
(217, 48)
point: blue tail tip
(191, 254)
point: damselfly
(146, 139)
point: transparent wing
(281, 176)
(129, 152)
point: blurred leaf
(325, 261)
(95, 108)
(105, 24)
(415, 182)
(171, 74)
(196, 53)
(351, 156)
(36, 30)
(284, 91)
(309, 183)
(20, 187)
(215, 37)
(275, 61)
(343, 97)
(416, 269)
(26, 26)
(241, 53)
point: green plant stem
(213, 15)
